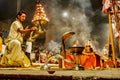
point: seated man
(14, 56)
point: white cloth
(14, 56)
(28, 46)
(14, 34)
(3, 49)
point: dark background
(85, 18)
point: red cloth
(106, 6)
(110, 63)
(89, 60)
(71, 58)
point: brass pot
(77, 50)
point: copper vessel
(77, 50)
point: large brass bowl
(77, 50)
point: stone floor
(36, 73)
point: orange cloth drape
(89, 60)
(0, 44)
(71, 58)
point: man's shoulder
(15, 22)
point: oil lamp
(39, 19)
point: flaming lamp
(39, 19)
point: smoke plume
(75, 16)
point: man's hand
(27, 27)
(33, 28)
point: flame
(39, 17)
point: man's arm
(26, 30)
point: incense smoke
(75, 15)
(84, 17)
